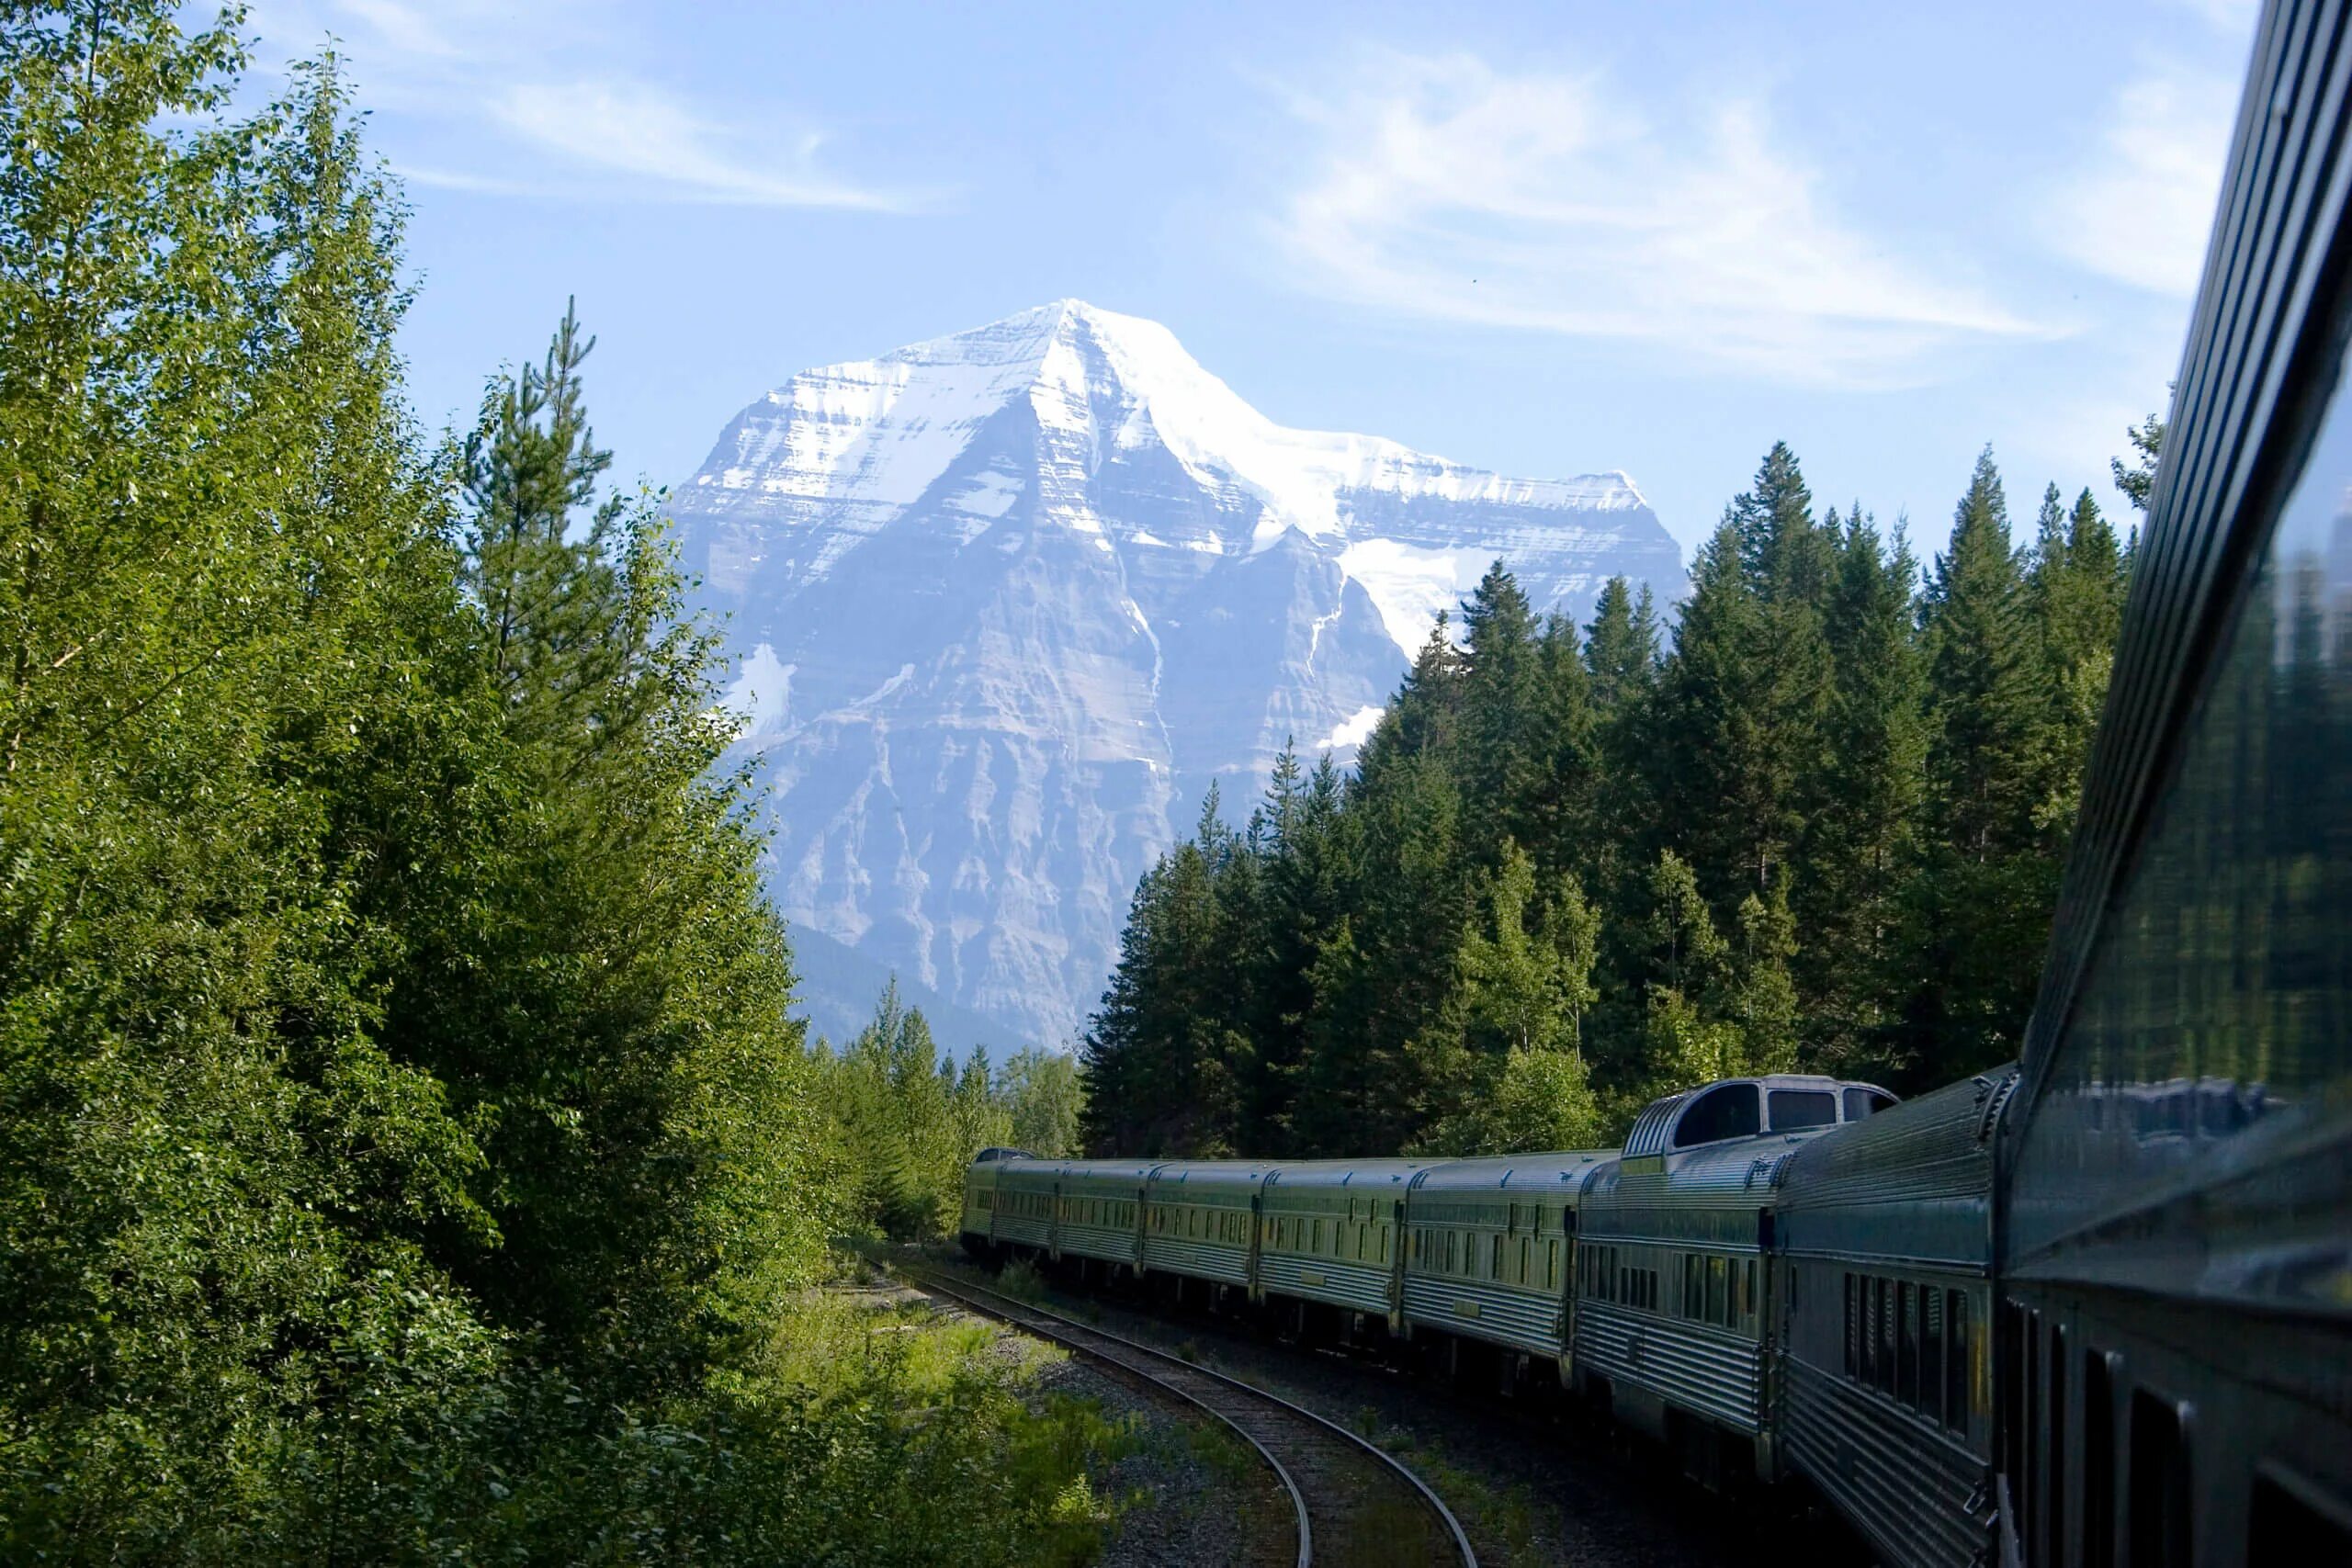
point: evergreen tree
(1981, 902)
(1042, 1098)
(2138, 481)
(1503, 692)
(1863, 841)
(1979, 682)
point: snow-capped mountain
(1004, 603)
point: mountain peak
(1002, 604)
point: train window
(2054, 1511)
(2159, 1486)
(1862, 1102)
(1795, 1108)
(2099, 1471)
(1450, 1238)
(1384, 1243)
(1888, 1377)
(1729, 1111)
(1523, 1261)
(1551, 1265)
(1718, 1307)
(1853, 1325)
(1956, 1361)
(1905, 1343)
(1747, 1302)
(1931, 1352)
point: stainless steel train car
(1491, 1251)
(1201, 1220)
(1327, 1234)
(1881, 1282)
(1098, 1211)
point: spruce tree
(1980, 906)
(1863, 840)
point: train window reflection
(1796, 1108)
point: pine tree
(1502, 733)
(1619, 647)
(1979, 683)
(1981, 901)
(2138, 481)
(1863, 840)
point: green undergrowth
(893, 1409)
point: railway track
(1357, 1506)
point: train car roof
(1213, 1173)
(1131, 1169)
(1348, 1173)
(1529, 1172)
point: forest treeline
(1815, 824)
(407, 1153)
(906, 1122)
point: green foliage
(1821, 831)
(1042, 1099)
(901, 1123)
(405, 1149)
(2138, 481)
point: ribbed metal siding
(1906, 1482)
(1201, 1259)
(1505, 1314)
(1021, 1229)
(1713, 1371)
(1112, 1244)
(1362, 1287)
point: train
(2090, 1308)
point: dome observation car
(1750, 1108)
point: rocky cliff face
(1002, 606)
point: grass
(962, 1457)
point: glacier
(1000, 608)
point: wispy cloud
(1448, 188)
(2139, 207)
(541, 97)
(632, 130)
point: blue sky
(1543, 238)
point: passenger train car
(2091, 1309)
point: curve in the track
(1344, 1475)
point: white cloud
(551, 83)
(1447, 188)
(2141, 206)
(631, 128)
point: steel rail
(1074, 1335)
